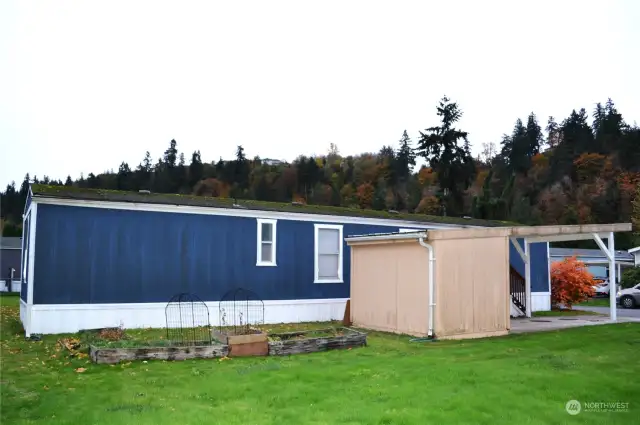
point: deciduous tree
(571, 282)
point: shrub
(571, 282)
(630, 277)
(112, 334)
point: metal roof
(10, 243)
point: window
(328, 253)
(266, 254)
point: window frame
(407, 230)
(259, 242)
(316, 265)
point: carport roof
(533, 234)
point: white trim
(540, 301)
(259, 261)
(387, 237)
(33, 225)
(527, 276)
(238, 212)
(603, 248)
(632, 250)
(405, 230)
(518, 248)
(549, 268)
(65, 318)
(316, 267)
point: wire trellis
(241, 312)
(188, 322)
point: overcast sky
(88, 84)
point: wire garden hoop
(187, 319)
(241, 312)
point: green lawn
(596, 302)
(521, 379)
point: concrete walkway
(538, 324)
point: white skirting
(540, 301)
(65, 318)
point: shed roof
(10, 243)
(71, 192)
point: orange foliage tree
(364, 194)
(571, 282)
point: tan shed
(452, 283)
(469, 271)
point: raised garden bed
(112, 355)
(251, 344)
(282, 344)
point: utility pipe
(432, 301)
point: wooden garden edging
(115, 355)
(290, 343)
(287, 346)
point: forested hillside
(584, 168)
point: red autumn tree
(571, 282)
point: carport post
(527, 276)
(610, 252)
(613, 287)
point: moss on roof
(71, 192)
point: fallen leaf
(45, 387)
(80, 369)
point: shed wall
(472, 292)
(389, 290)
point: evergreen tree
(453, 163)
(405, 158)
(171, 154)
(196, 169)
(68, 181)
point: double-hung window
(328, 253)
(266, 249)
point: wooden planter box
(116, 355)
(255, 344)
(305, 342)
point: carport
(596, 232)
(452, 283)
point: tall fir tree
(446, 149)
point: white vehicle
(602, 289)
(630, 297)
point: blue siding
(95, 255)
(539, 264)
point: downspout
(432, 301)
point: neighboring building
(274, 162)
(98, 258)
(10, 251)
(635, 252)
(595, 260)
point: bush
(571, 282)
(630, 277)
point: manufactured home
(101, 258)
